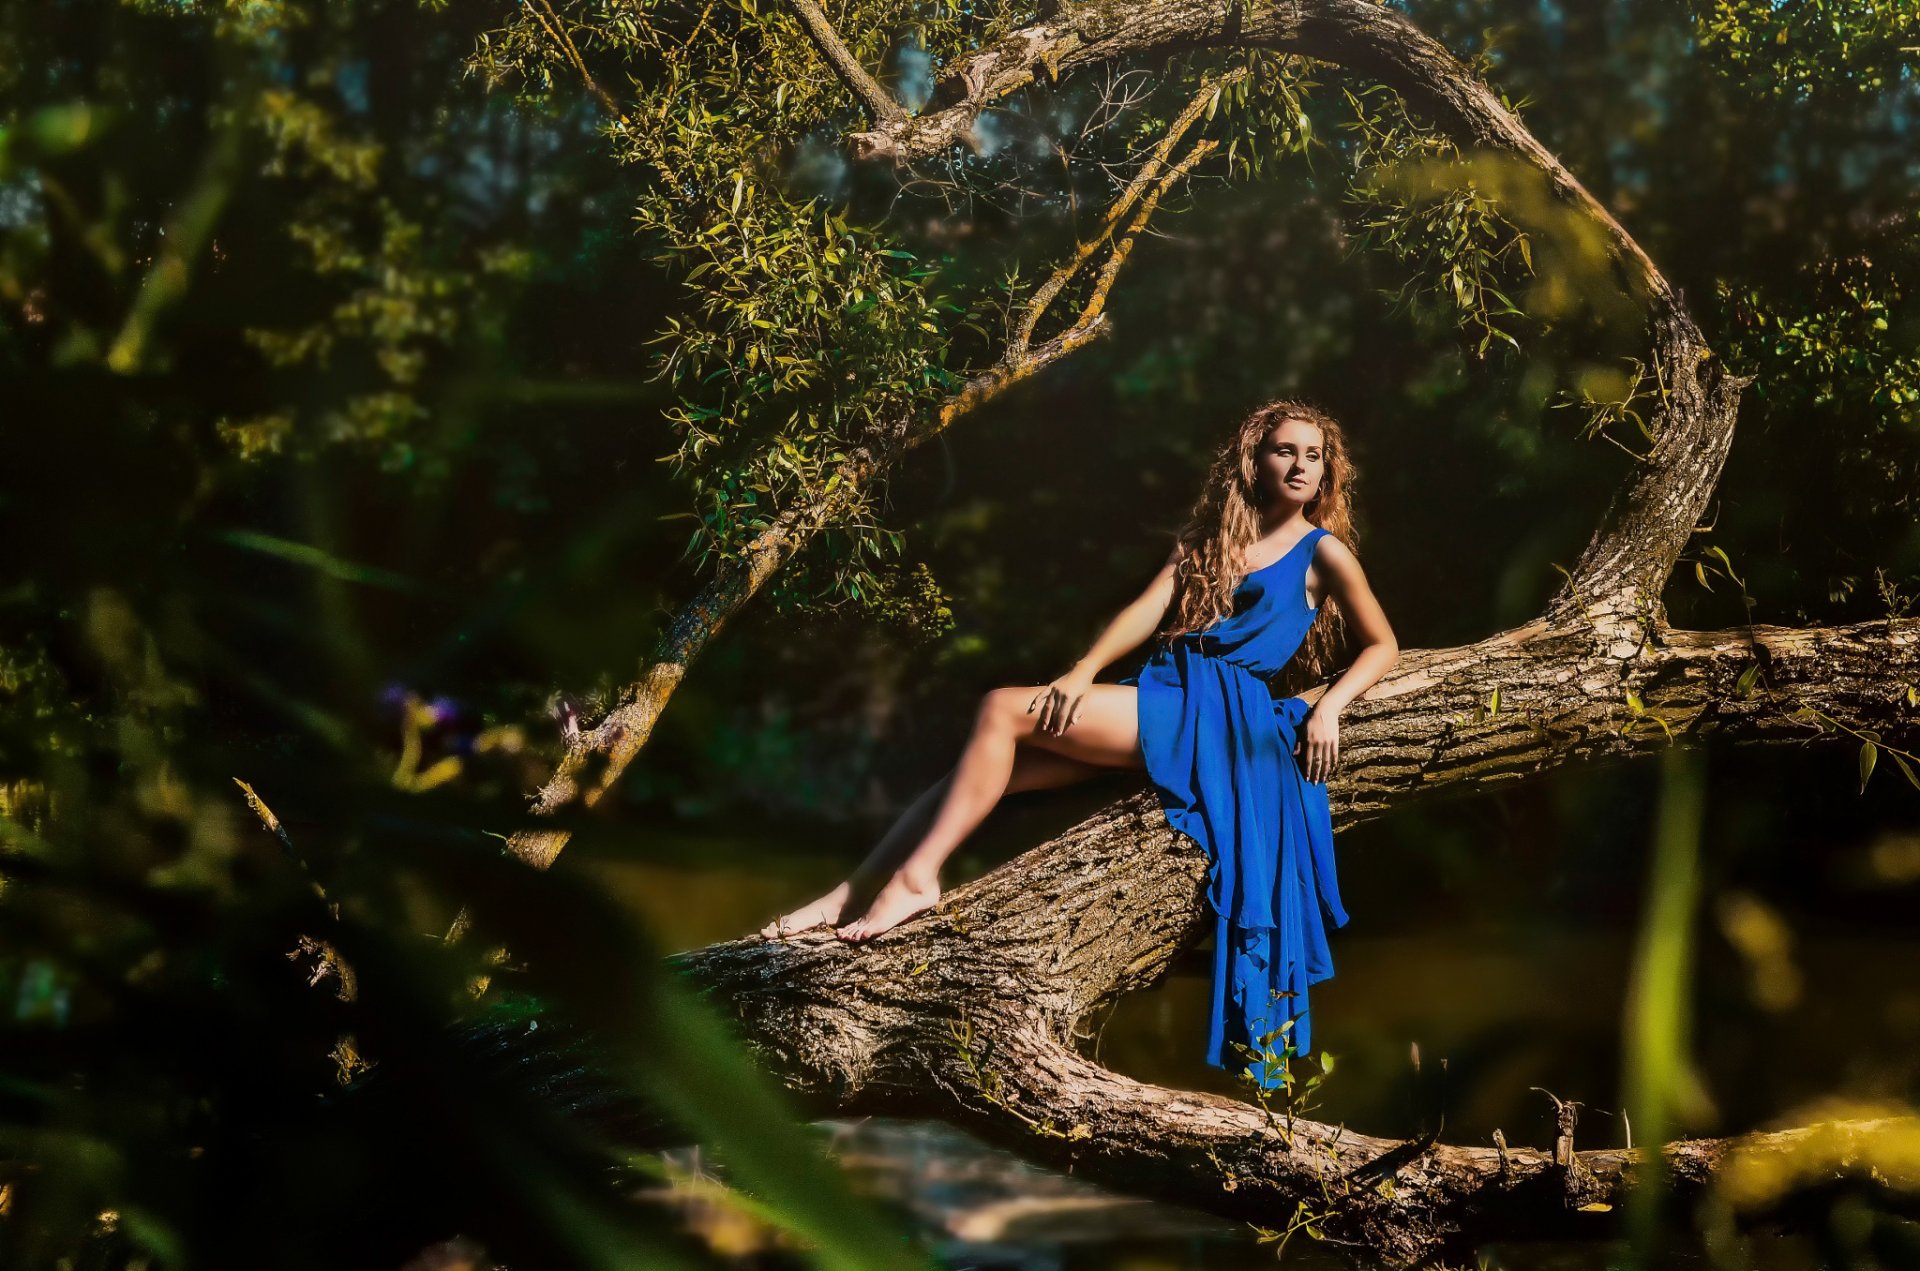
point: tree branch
(879, 103)
(555, 29)
(1136, 189)
(1622, 572)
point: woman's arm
(1133, 624)
(1059, 702)
(1346, 582)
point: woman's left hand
(1319, 748)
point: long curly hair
(1225, 522)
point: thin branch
(880, 105)
(188, 232)
(1111, 269)
(557, 33)
(1149, 172)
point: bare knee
(1006, 707)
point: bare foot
(898, 901)
(831, 907)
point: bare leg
(1105, 736)
(1033, 769)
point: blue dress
(1218, 747)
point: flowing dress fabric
(1218, 747)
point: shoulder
(1328, 547)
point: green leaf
(1744, 684)
(1868, 753)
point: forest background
(382, 378)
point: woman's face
(1289, 465)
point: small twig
(326, 959)
(1136, 189)
(279, 831)
(1566, 1115)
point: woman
(1261, 570)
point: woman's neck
(1281, 524)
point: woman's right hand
(1059, 702)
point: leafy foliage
(1415, 204)
(264, 262)
(807, 330)
(803, 334)
(1810, 48)
(1858, 343)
